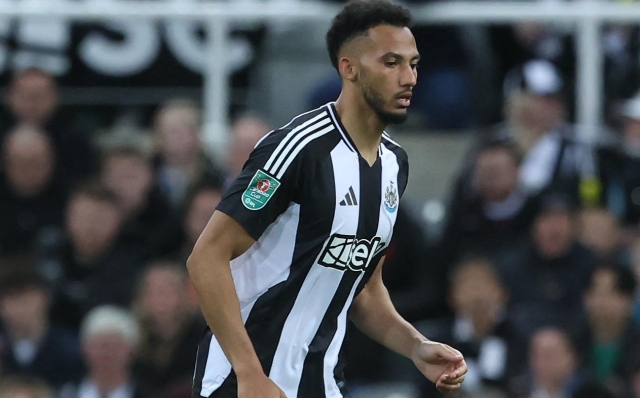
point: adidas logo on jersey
(349, 199)
(345, 251)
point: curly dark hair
(357, 17)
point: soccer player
(297, 243)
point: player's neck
(362, 124)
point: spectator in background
(31, 345)
(24, 387)
(33, 97)
(547, 277)
(150, 221)
(514, 45)
(33, 100)
(553, 367)
(490, 211)
(110, 337)
(30, 197)
(88, 265)
(619, 167)
(611, 341)
(180, 159)
(199, 208)
(537, 122)
(600, 231)
(479, 328)
(245, 134)
(171, 328)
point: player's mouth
(404, 99)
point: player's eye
(390, 64)
(415, 66)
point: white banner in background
(115, 49)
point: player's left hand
(441, 364)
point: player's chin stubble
(376, 101)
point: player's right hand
(258, 386)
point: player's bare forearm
(374, 314)
(222, 240)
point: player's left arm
(374, 314)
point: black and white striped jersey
(322, 219)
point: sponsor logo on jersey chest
(346, 252)
(260, 191)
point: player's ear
(348, 69)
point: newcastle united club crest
(391, 198)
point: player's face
(389, 72)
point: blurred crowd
(94, 234)
(534, 276)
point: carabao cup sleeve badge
(260, 191)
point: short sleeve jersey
(322, 218)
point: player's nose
(408, 76)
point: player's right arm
(263, 191)
(209, 268)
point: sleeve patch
(260, 190)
